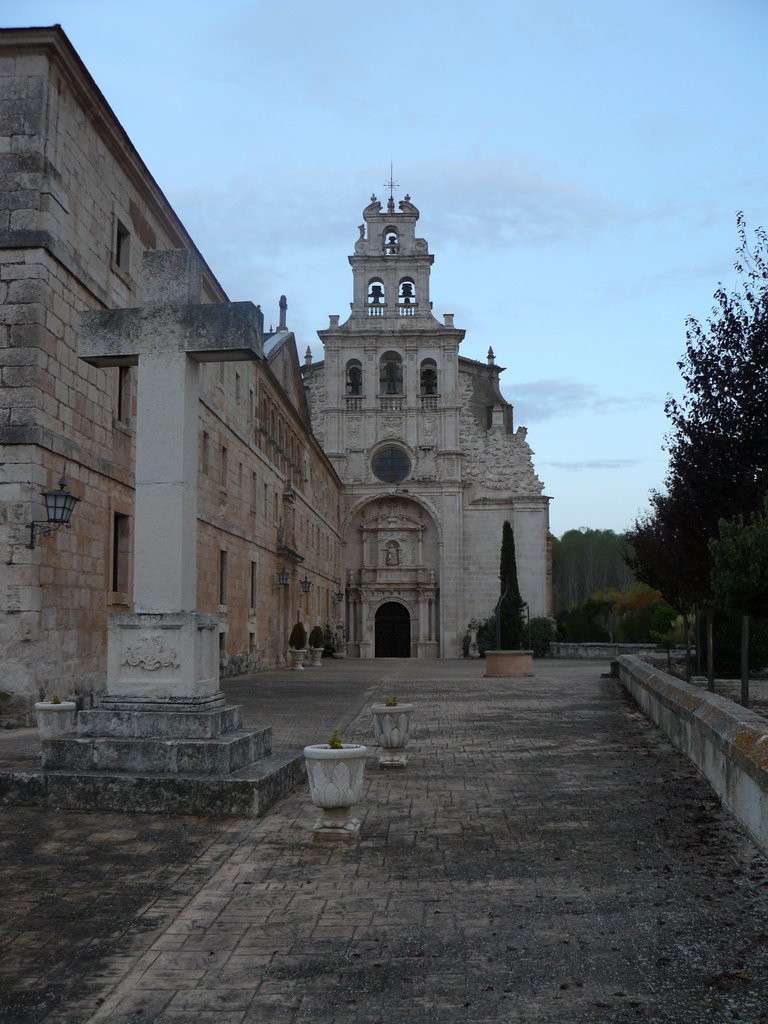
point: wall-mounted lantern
(283, 577)
(59, 503)
(305, 585)
(339, 596)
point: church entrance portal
(393, 631)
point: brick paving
(545, 857)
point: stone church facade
(429, 457)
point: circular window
(391, 465)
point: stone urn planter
(508, 663)
(316, 645)
(335, 777)
(55, 718)
(296, 659)
(391, 725)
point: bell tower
(391, 265)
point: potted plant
(316, 645)
(55, 717)
(335, 774)
(391, 724)
(297, 644)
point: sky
(578, 167)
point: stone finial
(283, 311)
(308, 356)
(373, 197)
(491, 357)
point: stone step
(249, 792)
(198, 725)
(157, 756)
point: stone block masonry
(727, 743)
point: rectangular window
(206, 453)
(251, 404)
(222, 576)
(240, 477)
(254, 491)
(224, 468)
(253, 590)
(121, 537)
(123, 403)
(222, 646)
(237, 388)
(122, 252)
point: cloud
(579, 467)
(553, 398)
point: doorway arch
(392, 631)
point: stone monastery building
(366, 491)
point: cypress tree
(511, 608)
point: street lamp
(59, 504)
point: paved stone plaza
(545, 857)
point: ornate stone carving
(390, 426)
(429, 430)
(354, 428)
(150, 654)
(495, 460)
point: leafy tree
(510, 610)
(718, 444)
(740, 575)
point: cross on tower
(391, 185)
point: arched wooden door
(393, 631)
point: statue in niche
(392, 556)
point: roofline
(53, 42)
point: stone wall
(727, 743)
(598, 651)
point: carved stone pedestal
(163, 739)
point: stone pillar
(164, 654)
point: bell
(376, 293)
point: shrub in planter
(316, 645)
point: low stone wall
(607, 651)
(727, 743)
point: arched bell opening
(391, 374)
(406, 292)
(428, 377)
(391, 242)
(392, 631)
(376, 293)
(354, 377)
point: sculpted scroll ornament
(494, 459)
(149, 654)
